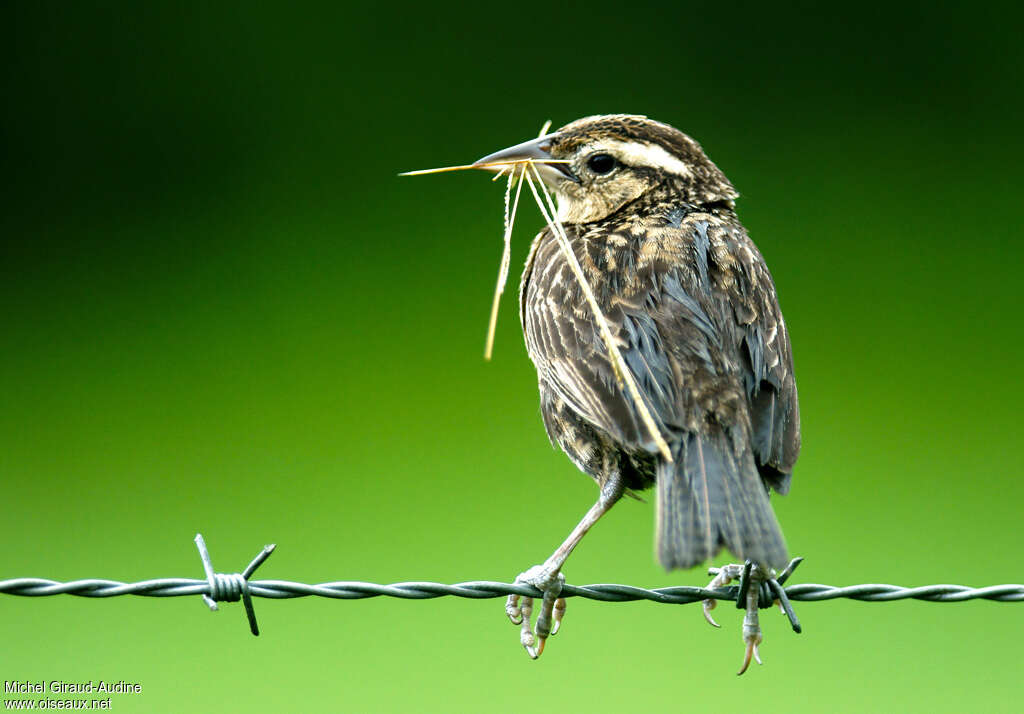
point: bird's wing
(680, 329)
(766, 362)
(572, 359)
(565, 344)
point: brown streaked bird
(694, 312)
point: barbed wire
(221, 587)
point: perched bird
(694, 313)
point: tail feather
(713, 496)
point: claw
(709, 605)
(751, 651)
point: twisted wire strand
(230, 587)
(482, 589)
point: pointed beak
(535, 149)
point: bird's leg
(547, 577)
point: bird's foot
(759, 587)
(723, 576)
(549, 580)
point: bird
(694, 313)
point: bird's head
(611, 160)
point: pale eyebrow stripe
(636, 153)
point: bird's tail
(713, 496)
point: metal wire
(483, 589)
(232, 587)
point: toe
(512, 609)
(559, 614)
(526, 638)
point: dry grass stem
(495, 165)
(499, 288)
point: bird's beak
(537, 150)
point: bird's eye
(601, 164)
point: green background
(223, 312)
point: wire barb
(775, 585)
(230, 587)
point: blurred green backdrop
(223, 312)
